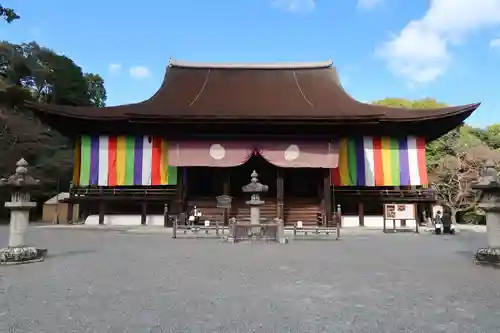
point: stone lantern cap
(489, 178)
(20, 179)
(254, 186)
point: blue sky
(444, 49)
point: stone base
(232, 240)
(21, 255)
(487, 255)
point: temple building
(211, 124)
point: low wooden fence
(318, 232)
(308, 232)
(208, 230)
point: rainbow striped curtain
(381, 161)
(121, 161)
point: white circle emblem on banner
(292, 153)
(217, 152)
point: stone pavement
(117, 281)
(163, 230)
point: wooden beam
(124, 199)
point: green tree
(425, 103)
(96, 91)
(47, 77)
(31, 72)
(453, 177)
(491, 135)
(8, 14)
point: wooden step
(242, 211)
(296, 209)
(208, 208)
(300, 209)
(239, 209)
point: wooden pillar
(216, 181)
(339, 215)
(102, 206)
(226, 190)
(334, 202)
(71, 208)
(420, 213)
(144, 212)
(183, 178)
(280, 194)
(361, 213)
(430, 213)
(182, 189)
(83, 213)
(327, 197)
(165, 215)
(71, 205)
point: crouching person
(448, 226)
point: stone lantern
(19, 184)
(255, 189)
(489, 185)
(256, 229)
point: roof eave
(235, 65)
(465, 110)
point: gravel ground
(114, 281)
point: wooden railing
(403, 194)
(123, 192)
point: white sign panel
(435, 209)
(399, 211)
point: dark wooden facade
(251, 102)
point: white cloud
(114, 68)
(495, 43)
(421, 52)
(368, 4)
(139, 72)
(295, 5)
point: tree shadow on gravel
(466, 253)
(71, 253)
(469, 254)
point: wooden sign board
(224, 201)
(399, 211)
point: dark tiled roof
(293, 91)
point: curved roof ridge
(301, 91)
(249, 65)
(202, 89)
